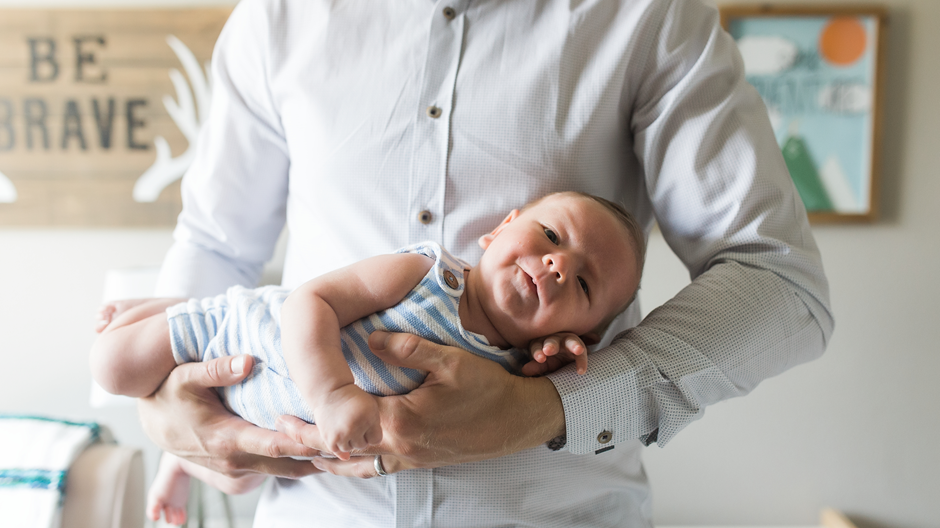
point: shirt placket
(432, 125)
(414, 489)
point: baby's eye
(583, 284)
(551, 236)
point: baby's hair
(637, 240)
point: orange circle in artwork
(842, 41)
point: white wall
(859, 429)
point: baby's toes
(104, 317)
(175, 515)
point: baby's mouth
(530, 282)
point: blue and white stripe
(248, 321)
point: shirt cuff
(602, 406)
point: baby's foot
(111, 310)
(169, 492)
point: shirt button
(425, 217)
(434, 112)
(605, 437)
(449, 13)
(450, 279)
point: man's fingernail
(317, 463)
(379, 339)
(238, 365)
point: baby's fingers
(363, 440)
(580, 363)
(545, 349)
(574, 345)
(340, 449)
(533, 369)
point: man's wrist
(548, 418)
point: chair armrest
(105, 489)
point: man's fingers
(220, 372)
(280, 467)
(357, 466)
(300, 431)
(374, 435)
(186, 418)
(408, 350)
(271, 444)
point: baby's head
(567, 262)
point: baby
(563, 266)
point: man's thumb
(406, 350)
(222, 372)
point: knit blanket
(35, 456)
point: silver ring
(379, 468)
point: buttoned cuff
(602, 407)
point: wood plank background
(126, 59)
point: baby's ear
(488, 238)
(590, 338)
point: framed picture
(819, 71)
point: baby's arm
(311, 318)
(132, 354)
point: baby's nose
(558, 266)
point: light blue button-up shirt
(320, 118)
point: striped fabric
(248, 321)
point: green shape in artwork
(805, 176)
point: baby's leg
(169, 492)
(227, 485)
(132, 355)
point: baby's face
(563, 265)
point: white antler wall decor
(167, 169)
(7, 190)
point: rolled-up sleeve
(758, 301)
(241, 165)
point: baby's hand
(348, 420)
(109, 311)
(555, 351)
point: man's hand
(467, 409)
(186, 418)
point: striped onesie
(244, 321)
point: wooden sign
(98, 113)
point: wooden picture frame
(820, 71)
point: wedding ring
(379, 468)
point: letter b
(38, 57)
